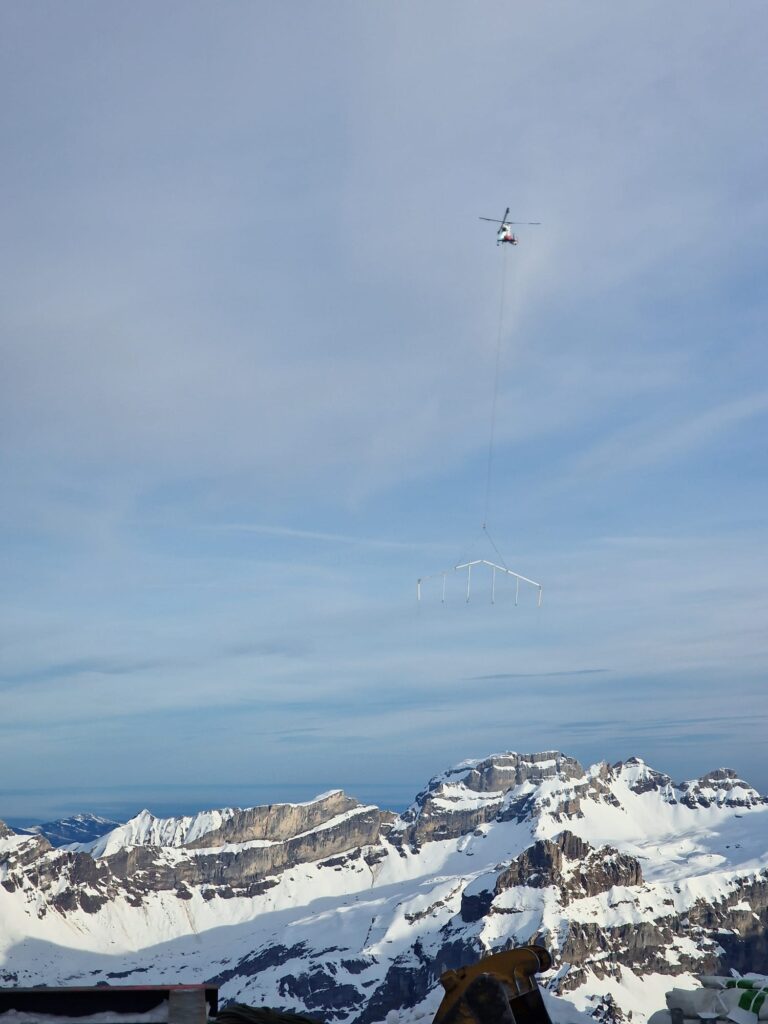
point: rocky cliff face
(573, 866)
(345, 911)
(477, 792)
(239, 858)
(246, 867)
(277, 822)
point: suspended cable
(504, 235)
(493, 545)
(494, 400)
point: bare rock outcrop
(501, 787)
(276, 822)
(246, 870)
(572, 865)
(722, 787)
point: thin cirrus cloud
(248, 341)
(656, 442)
(267, 530)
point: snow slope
(348, 913)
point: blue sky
(248, 334)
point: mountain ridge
(77, 828)
(340, 909)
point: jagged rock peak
(641, 778)
(501, 772)
(550, 785)
(572, 864)
(721, 788)
(146, 830)
(503, 786)
(278, 822)
(498, 774)
(270, 823)
(565, 862)
(18, 850)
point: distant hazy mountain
(347, 912)
(80, 828)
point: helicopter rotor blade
(493, 220)
(506, 214)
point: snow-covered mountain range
(79, 828)
(346, 911)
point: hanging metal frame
(494, 569)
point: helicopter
(505, 232)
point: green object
(753, 999)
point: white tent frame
(494, 569)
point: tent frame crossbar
(518, 577)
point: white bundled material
(695, 1003)
(746, 1005)
(726, 981)
(741, 1002)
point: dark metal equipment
(499, 989)
(81, 1001)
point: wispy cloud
(657, 441)
(319, 535)
(119, 665)
(543, 675)
(248, 360)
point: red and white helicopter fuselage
(505, 232)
